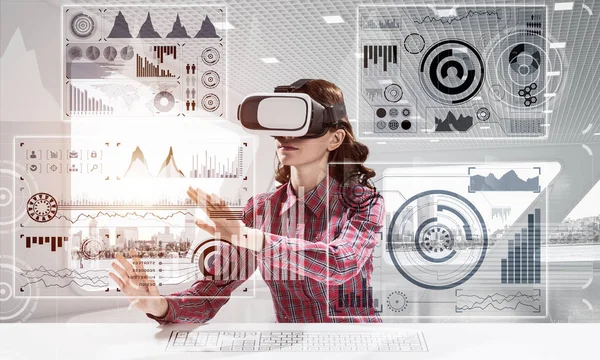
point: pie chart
(110, 53)
(127, 52)
(92, 53)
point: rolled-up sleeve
(204, 298)
(333, 262)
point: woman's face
(293, 151)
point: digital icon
(94, 168)
(34, 168)
(33, 154)
(54, 154)
(54, 168)
(74, 168)
(93, 154)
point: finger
(126, 264)
(117, 280)
(122, 273)
(205, 226)
(192, 194)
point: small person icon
(187, 68)
(33, 155)
(193, 105)
(193, 68)
(187, 105)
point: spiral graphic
(452, 72)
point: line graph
(450, 20)
(63, 278)
(516, 301)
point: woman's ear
(336, 139)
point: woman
(305, 255)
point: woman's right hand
(139, 288)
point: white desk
(445, 341)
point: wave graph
(517, 301)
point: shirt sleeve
(204, 298)
(333, 262)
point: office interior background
(110, 110)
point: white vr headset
(288, 113)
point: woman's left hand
(234, 231)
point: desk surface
(445, 341)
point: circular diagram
(75, 53)
(393, 93)
(14, 204)
(92, 53)
(164, 101)
(127, 52)
(483, 114)
(210, 102)
(82, 25)
(414, 43)
(355, 195)
(210, 56)
(451, 72)
(437, 239)
(397, 301)
(42, 207)
(518, 60)
(217, 259)
(19, 302)
(210, 79)
(91, 249)
(110, 53)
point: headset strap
(289, 88)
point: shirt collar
(315, 200)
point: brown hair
(328, 94)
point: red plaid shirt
(306, 261)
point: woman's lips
(287, 148)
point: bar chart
(54, 241)
(522, 265)
(213, 168)
(362, 298)
(387, 53)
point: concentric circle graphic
(437, 239)
(83, 25)
(452, 72)
(91, 249)
(483, 114)
(11, 176)
(518, 60)
(397, 301)
(213, 254)
(18, 298)
(210, 56)
(414, 43)
(393, 93)
(42, 207)
(210, 102)
(210, 79)
(355, 195)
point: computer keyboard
(405, 340)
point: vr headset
(288, 113)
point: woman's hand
(139, 288)
(234, 231)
